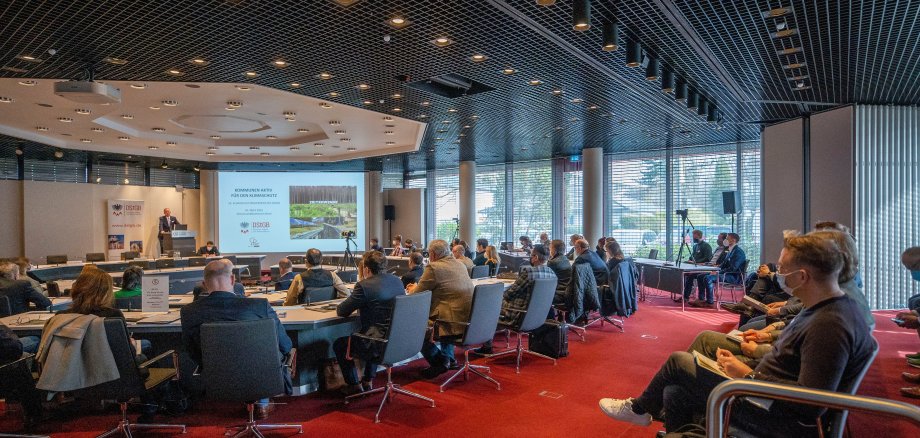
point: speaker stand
(733, 223)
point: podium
(182, 241)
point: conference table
(396, 265)
(71, 269)
(669, 277)
(312, 328)
(181, 280)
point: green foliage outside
(309, 211)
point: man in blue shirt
(729, 271)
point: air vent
(450, 85)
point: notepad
(711, 366)
(161, 318)
(757, 305)
(736, 335)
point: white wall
(783, 185)
(64, 218)
(10, 218)
(410, 215)
(832, 166)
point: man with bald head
(168, 223)
(221, 304)
(584, 254)
(459, 253)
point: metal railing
(720, 395)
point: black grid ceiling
(516, 122)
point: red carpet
(544, 400)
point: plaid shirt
(518, 295)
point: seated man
(373, 299)
(285, 274)
(729, 272)
(544, 239)
(222, 305)
(208, 250)
(761, 286)
(451, 297)
(131, 280)
(20, 292)
(415, 269)
(313, 277)
(375, 245)
(24, 266)
(910, 258)
(702, 251)
(517, 296)
(458, 252)
(832, 329)
(481, 245)
(572, 239)
(601, 248)
(559, 263)
(714, 259)
(586, 255)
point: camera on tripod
(348, 234)
(681, 213)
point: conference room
(470, 217)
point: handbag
(551, 339)
(332, 376)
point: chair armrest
(720, 395)
(23, 358)
(290, 361)
(443, 322)
(359, 335)
(157, 358)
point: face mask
(781, 280)
(915, 275)
(723, 242)
(696, 240)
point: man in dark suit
(702, 251)
(373, 299)
(415, 269)
(480, 258)
(222, 305)
(19, 292)
(584, 254)
(208, 249)
(285, 274)
(559, 263)
(168, 223)
(729, 271)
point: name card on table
(155, 293)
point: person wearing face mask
(397, 250)
(714, 259)
(910, 258)
(208, 250)
(702, 251)
(831, 328)
(729, 272)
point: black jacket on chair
(620, 297)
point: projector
(87, 92)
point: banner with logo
(126, 227)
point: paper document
(703, 362)
(161, 318)
(761, 307)
(736, 335)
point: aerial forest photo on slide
(323, 212)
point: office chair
(143, 264)
(580, 298)
(480, 272)
(6, 309)
(315, 294)
(17, 371)
(197, 261)
(348, 276)
(295, 259)
(165, 263)
(130, 303)
(722, 285)
(130, 255)
(58, 259)
(487, 305)
(95, 257)
(653, 254)
(408, 324)
(618, 297)
(249, 377)
(534, 316)
(130, 383)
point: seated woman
(493, 261)
(614, 254)
(130, 282)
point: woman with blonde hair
(493, 261)
(93, 294)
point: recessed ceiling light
(474, 117)
(423, 116)
(271, 137)
(85, 140)
(391, 143)
(508, 71)
(425, 103)
(324, 75)
(97, 129)
(317, 154)
(174, 72)
(234, 104)
(345, 140)
(363, 86)
(295, 84)
(41, 128)
(442, 41)
(446, 122)
(154, 107)
(4, 99)
(230, 108)
(158, 129)
(577, 100)
(794, 65)
(325, 105)
(467, 126)
(452, 110)
(294, 148)
(264, 154)
(253, 148)
(396, 110)
(153, 148)
(170, 103)
(351, 149)
(138, 86)
(441, 131)
(243, 87)
(170, 143)
(592, 107)
(535, 82)
(789, 51)
(250, 74)
(198, 61)
(114, 61)
(212, 148)
(280, 63)
(438, 138)
(334, 123)
(303, 130)
(123, 138)
(127, 116)
(784, 33)
(333, 94)
(339, 132)
(29, 58)
(65, 119)
(319, 145)
(388, 132)
(209, 153)
(777, 12)
(387, 119)
(215, 137)
(478, 57)
(28, 83)
(398, 22)
(367, 102)
(397, 96)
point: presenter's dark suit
(166, 225)
(373, 299)
(20, 294)
(227, 306)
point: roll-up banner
(126, 227)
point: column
(467, 197)
(592, 166)
(207, 207)
(374, 191)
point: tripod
(348, 260)
(456, 229)
(683, 237)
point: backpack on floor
(551, 339)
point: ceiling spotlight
(368, 102)
(4, 99)
(797, 78)
(65, 119)
(28, 83)
(114, 61)
(138, 86)
(97, 129)
(339, 132)
(362, 86)
(442, 41)
(398, 22)
(611, 36)
(789, 51)
(289, 115)
(391, 143)
(782, 33)
(535, 82)
(667, 80)
(85, 140)
(396, 110)
(651, 70)
(334, 123)
(164, 165)
(41, 128)
(161, 130)
(397, 96)
(333, 94)
(388, 132)
(243, 87)
(508, 71)
(593, 107)
(581, 15)
(234, 104)
(123, 138)
(152, 148)
(210, 154)
(214, 137)
(319, 145)
(556, 92)
(198, 62)
(253, 148)
(280, 63)
(212, 148)
(693, 100)
(345, 140)
(317, 154)
(680, 92)
(271, 137)
(29, 58)
(633, 54)
(794, 65)
(577, 100)
(302, 130)
(170, 103)
(58, 154)
(774, 13)
(478, 57)
(154, 107)
(423, 116)
(170, 143)
(474, 117)
(295, 84)
(325, 105)
(324, 76)
(250, 74)
(174, 72)
(352, 149)
(294, 148)
(387, 119)
(452, 110)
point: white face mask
(781, 280)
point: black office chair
(618, 297)
(58, 259)
(316, 294)
(130, 303)
(131, 383)
(283, 285)
(722, 284)
(130, 255)
(348, 276)
(6, 309)
(15, 379)
(230, 258)
(249, 377)
(487, 305)
(165, 263)
(480, 272)
(197, 261)
(534, 316)
(95, 257)
(295, 259)
(143, 264)
(653, 254)
(408, 324)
